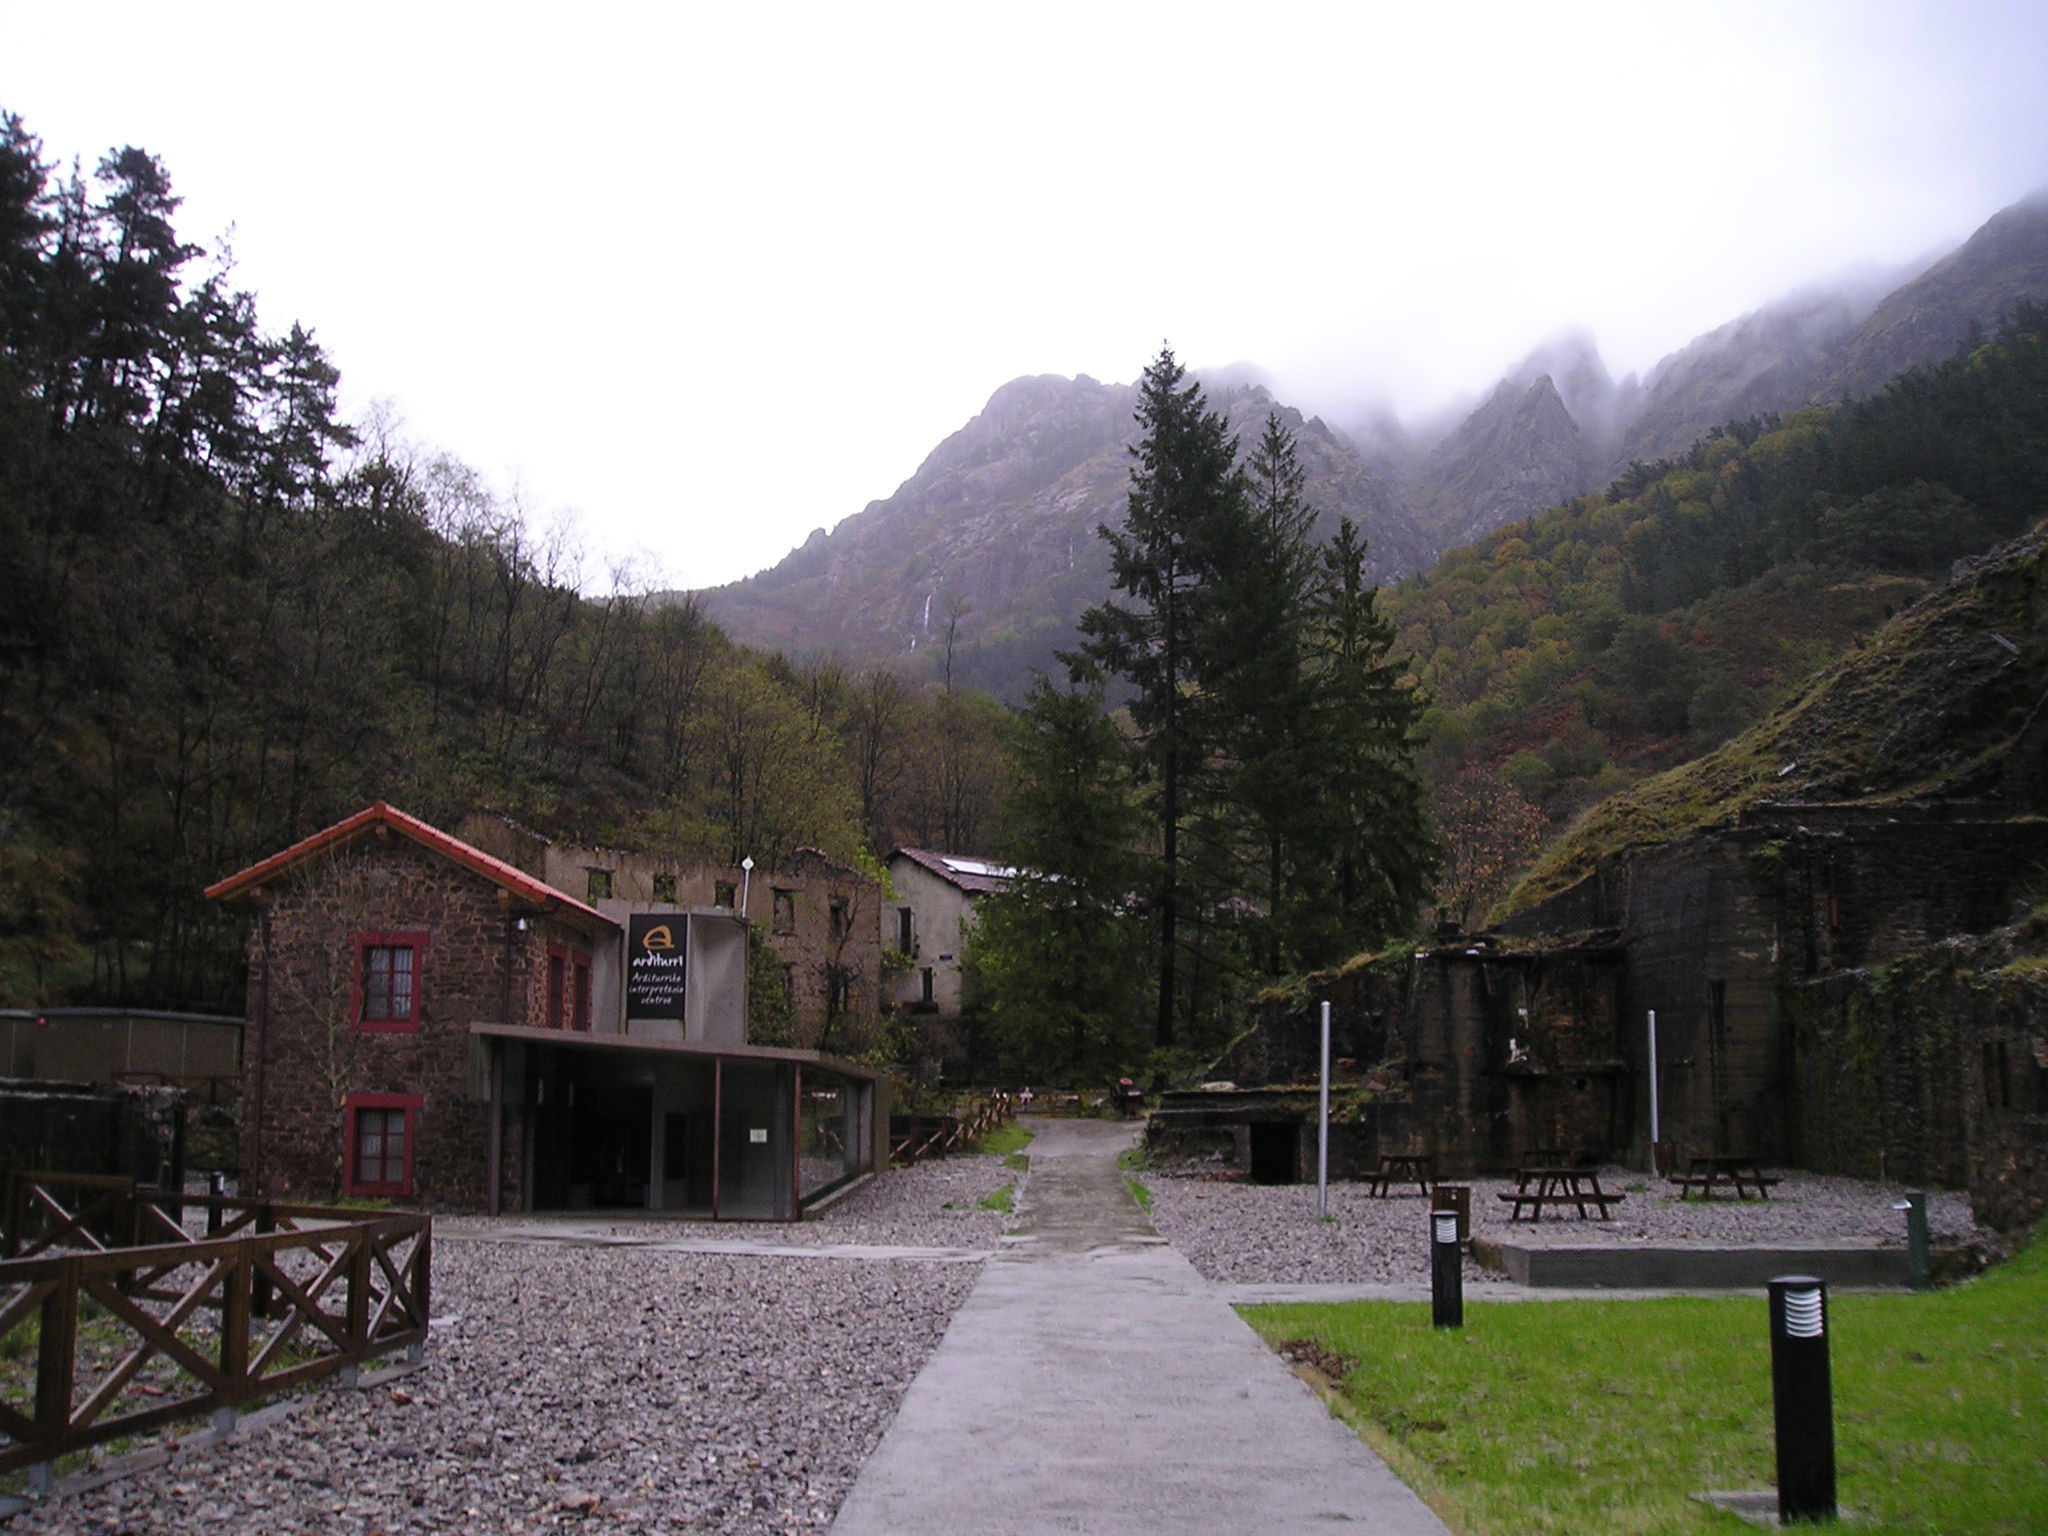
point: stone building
(1849, 988)
(1836, 988)
(823, 919)
(429, 1023)
(930, 924)
(1476, 1051)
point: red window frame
(408, 1104)
(567, 1003)
(411, 939)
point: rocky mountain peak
(1002, 515)
(1924, 319)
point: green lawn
(1007, 1138)
(1601, 1417)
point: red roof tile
(507, 876)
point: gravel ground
(1253, 1234)
(647, 1391)
(934, 1205)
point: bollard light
(1446, 1272)
(1919, 1269)
(1802, 1399)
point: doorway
(1275, 1152)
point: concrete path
(1094, 1382)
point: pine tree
(1255, 692)
(1374, 829)
(1057, 957)
(1183, 483)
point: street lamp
(746, 881)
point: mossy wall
(1932, 1070)
(1474, 1053)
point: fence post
(358, 1297)
(423, 1288)
(234, 1324)
(57, 1353)
(259, 1283)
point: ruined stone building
(1847, 989)
(823, 919)
(1839, 920)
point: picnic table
(1536, 1188)
(1418, 1168)
(1737, 1171)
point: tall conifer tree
(1380, 851)
(1058, 963)
(1256, 692)
(1183, 483)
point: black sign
(655, 965)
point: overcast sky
(709, 277)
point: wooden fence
(115, 1319)
(912, 1138)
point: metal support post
(1323, 1125)
(1802, 1399)
(1446, 1272)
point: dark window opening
(388, 979)
(724, 894)
(380, 1139)
(904, 941)
(599, 884)
(387, 983)
(1275, 1149)
(665, 889)
(925, 983)
(380, 1146)
(785, 911)
(839, 918)
(568, 999)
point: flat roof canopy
(693, 1050)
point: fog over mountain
(989, 552)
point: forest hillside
(1947, 701)
(228, 618)
(1576, 652)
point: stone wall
(305, 1054)
(1933, 1070)
(94, 1128)
(1472, 1052)
(1803, 970)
